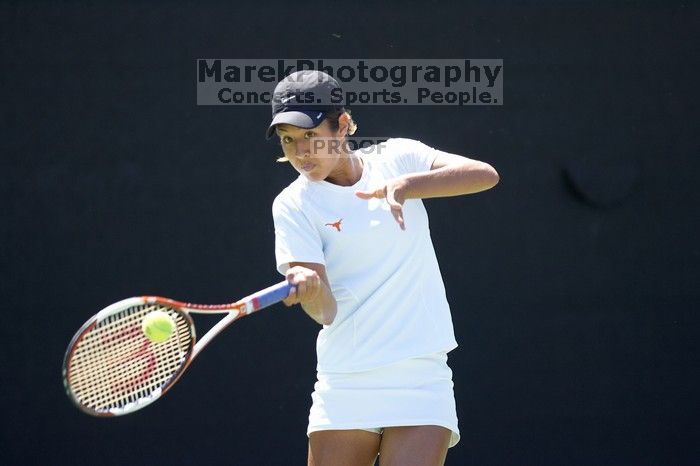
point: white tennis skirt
(413, 392)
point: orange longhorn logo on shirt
(335, 225)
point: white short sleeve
(414, 156)
(296, 239)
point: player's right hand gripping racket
(112, 369)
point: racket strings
(114, 364)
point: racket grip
(272, 294)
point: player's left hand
(393, 192)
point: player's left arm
(449, 175)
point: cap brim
(295, 118)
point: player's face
(313, 152)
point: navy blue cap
(303, 99)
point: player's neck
(349, 170)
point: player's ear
(343, 124)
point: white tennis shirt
(386, 281)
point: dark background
(573, 283)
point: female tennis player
(351, 233)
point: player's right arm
(312, 291)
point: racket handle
(271, 295)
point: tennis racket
(111, 368)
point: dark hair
(334, 115)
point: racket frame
(234, 311)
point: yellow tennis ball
(157, 326)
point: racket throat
(216, 329)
